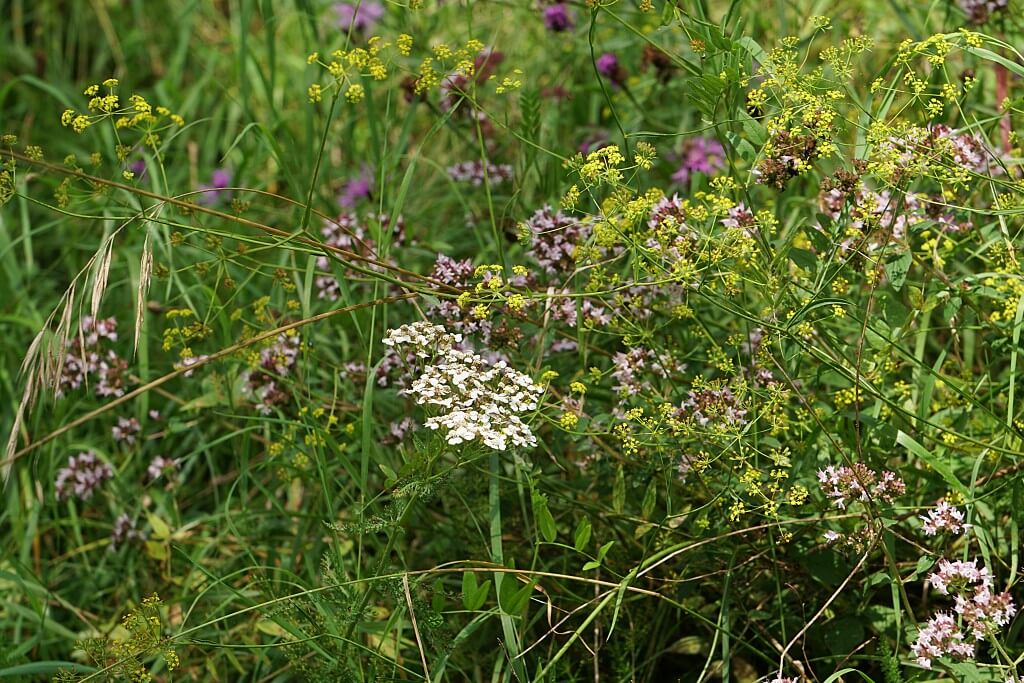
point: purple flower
(594, 141)
(160, 466)
(473, 172)
(83, 475)
(138, 167)
(210, 193)
(360, 16)
(263, 384)
(127, 430)
(87, 356)
(859, 482)
(700, 155)
(554, 238)
(978, 613)
(356, 188)
(608, 66)
(556, 18)
(979, 11)
(124, 531)
(221, 178)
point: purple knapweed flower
(608, 66)
(212, 192)
(138, 167)
(700, 155)
(356, 188)
(361, 16)
(557, 18)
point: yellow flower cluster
(139, 114)
(348, 68)
(446, 61)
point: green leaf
(161, 531)
(437, 602)
(896, 269)
(620, 594)
(619, 491)
(591, 565)
(924, 563)
(473, 596)
(842, 635)
(753, 48)
(804, 259)
(650, 498)
(755, 131)
(942, 468)
(643, 529)
(951, 308)
(582, 537)
(43, 668)
(545, 521)
(391, 475)
(482, 593)
(468, 589)
(156, 550)
(992, 56)
(604, 550)
(837, 676)
(512, 601)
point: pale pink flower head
(943, 517)
(939, 637)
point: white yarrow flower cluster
(481, 401)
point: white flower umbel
(479, 400)
(422, 338)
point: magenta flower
(700, 155)
(213, 192)
(362, 17)
(593, 141)
(557, 18)
(356, 188)
(608, 66)
(138, 167)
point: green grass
(305, 542)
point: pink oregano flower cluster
(977, 613)
(943, 517)
(859, 482)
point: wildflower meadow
(512, 340)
